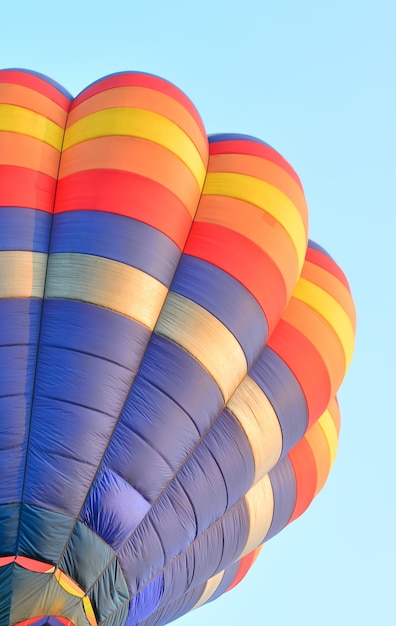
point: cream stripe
(22, 274)
(206, 339)
(258, 419)
(124, 121)
(331, 310)
(19, 120)
(210, 589)
(260, 503)
(330, 432)
(265, 196)
(106, 283)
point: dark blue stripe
(227, 299)
(317, 247)
(20, 319)
(283, 483)
(146, 602)
(114, 509)
(282, 389)
(142, 556)
(235, 137)
(9, 523)
(89, 561)
(6, 579)
(43, 534)
(118, 238)
(94, 330)
(173, 400)
(24, 229)
(87, 360)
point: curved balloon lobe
(171, 347)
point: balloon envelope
(171, 347)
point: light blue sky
(315, 79)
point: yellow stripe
(327, 425)
(68, 584)
(105, 283)
(260, 503)
(206, 339)
(210, 589)
(124, 121)
(324, 304)
(266, 197)
(258, 419)
(89, 612)
(19, 120)
(22, 274)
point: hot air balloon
(171, 347)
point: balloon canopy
(171, 347)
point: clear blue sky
(316, 80)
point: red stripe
(244, 566)
(304, 466)
(23, 187)
(253, 148)
(327, 263)
(136, 79)
(307, 366)
(26, 79)
(245, 261)
(125, 193)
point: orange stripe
(325, 261)
(334, 411)
(29, 99)
(265, 170)
(36, 83)
(27, 188)
(28, 152)
(135, 155)
(243, 260)
(258, 226)
(148, 100)
(304, 466)
(322, 336)
(137, 79)
(320, 449)
(332, 286)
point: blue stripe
(84, 327)
(9, 523)
(24, 229)
(18, 351)
(317, 247)
(145, 603)
(236, 137)
(283, 483)
(87, 360)
(6, 579)
(43, 534)
(227, 299)
(172, 402)
(114, 509)
(282, 389)
(118, 238)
